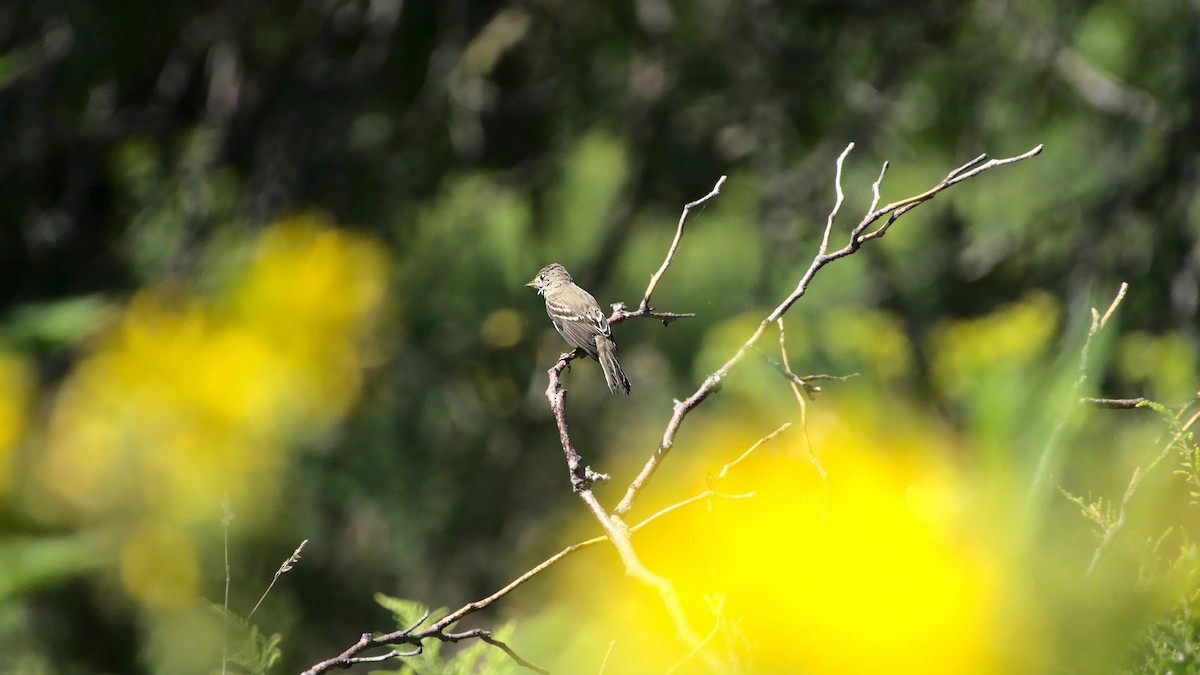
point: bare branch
(875, 188)
(488, 637)
(410, 635)
(896, 209)
(703, 496)
(837, 204)
(713, 382)
(343, 660)
(1114, 403)
(582, 476)
(1112, 307)
(417, 624)
(1098, 322)
(759, 443)
(797, 383)
(496, 642)
(386, 656)
(618, 534)
(620, 313)
(968, 166)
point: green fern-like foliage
(249, 651)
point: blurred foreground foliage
(261, 283)
(185, 409)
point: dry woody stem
(858, 236)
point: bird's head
(551, 276)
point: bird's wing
(580, 329)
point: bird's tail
(613, 375)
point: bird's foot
(566, 357)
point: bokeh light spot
(503, 328)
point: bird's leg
(566, 357)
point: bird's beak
(531, 284)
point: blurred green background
(262, 264)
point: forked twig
(856, 239)
(620, 313)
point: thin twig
(618, 533)
(1113, 306)
(875, 188)
(386, 656)
(417, 624)
(497, 642)
(805, 382)
(644, 306)
(706, 496)
(1098, 323)
(1048, 453)
(837, 204)
(1114, 403)
(759, 443)
(896, 209)
(607, 653)
(969, 165)
(620, 313)
(703, 643)
(582, 476)
(796, 383)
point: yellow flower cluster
(877, 568)
(186, 402)
(966, 352)
(1165, 363)
(871, 571)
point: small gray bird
(577, 317)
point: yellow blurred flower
(503, 328)
(1165, 363)
(871, 340)
(881, 568)
(159, 567)
(877, 579)
(964, 352)
(313, 278)
(16, 387)
(186, 401)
